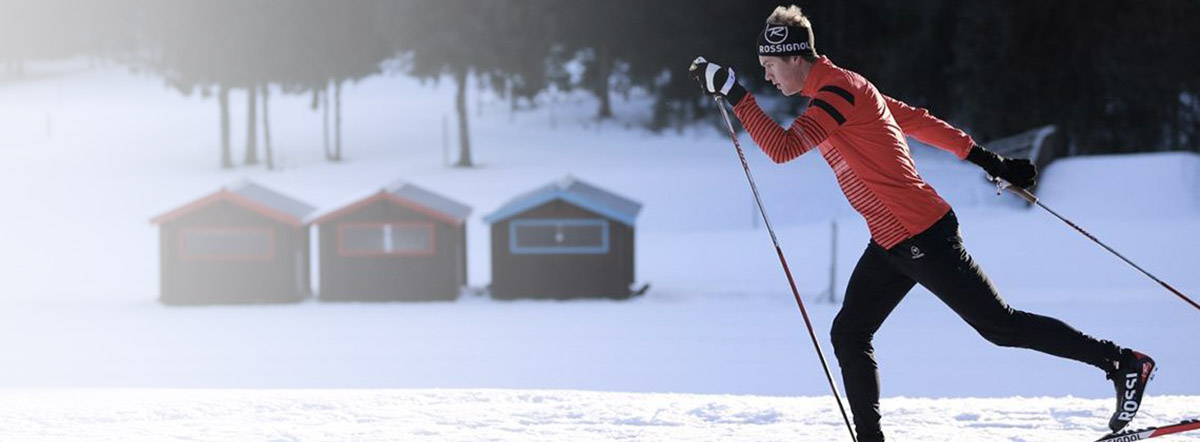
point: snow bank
(1152, 185)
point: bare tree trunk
(226, 152)
(266, 122)
(512, 98)
(460, 104)
(337, 120)
(604, 64)
(1194, 130)
(251, 158)
(325, 129)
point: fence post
(833, 258)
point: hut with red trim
(242, 244)
(401, 243)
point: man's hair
(792, 16)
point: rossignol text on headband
(780, 40)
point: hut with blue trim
(401, 243)
(568, 239)
(242, 244)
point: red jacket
(860, 132)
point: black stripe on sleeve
(840, 92)
(813, 131)
(837, 116)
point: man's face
(786, 73)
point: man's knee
(1005, 338)
(848, 336)
(1006, 333)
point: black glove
(1019, 172)
(717, 80)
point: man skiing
(914, 233)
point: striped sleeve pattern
(780, 144)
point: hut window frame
(187, 254)
(387, 245)
(597, 249)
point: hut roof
(405, 194)
(251, 196)
(576, 192)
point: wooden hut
(402, 243)
(242, 244)
(564, 240)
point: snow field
(532, 415)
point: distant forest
(1116, 76)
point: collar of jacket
(817, 76)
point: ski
(1146, 433)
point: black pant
(937, 260)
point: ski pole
(1033, 199)
(779, 251)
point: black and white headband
(781, 40)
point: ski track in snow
(534, 415)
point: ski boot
(1132, 372)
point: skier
(914, 233)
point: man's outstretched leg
(874, 290)
(947, 270)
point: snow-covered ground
(89, 156)
(133, 415)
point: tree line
(1116, 76)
